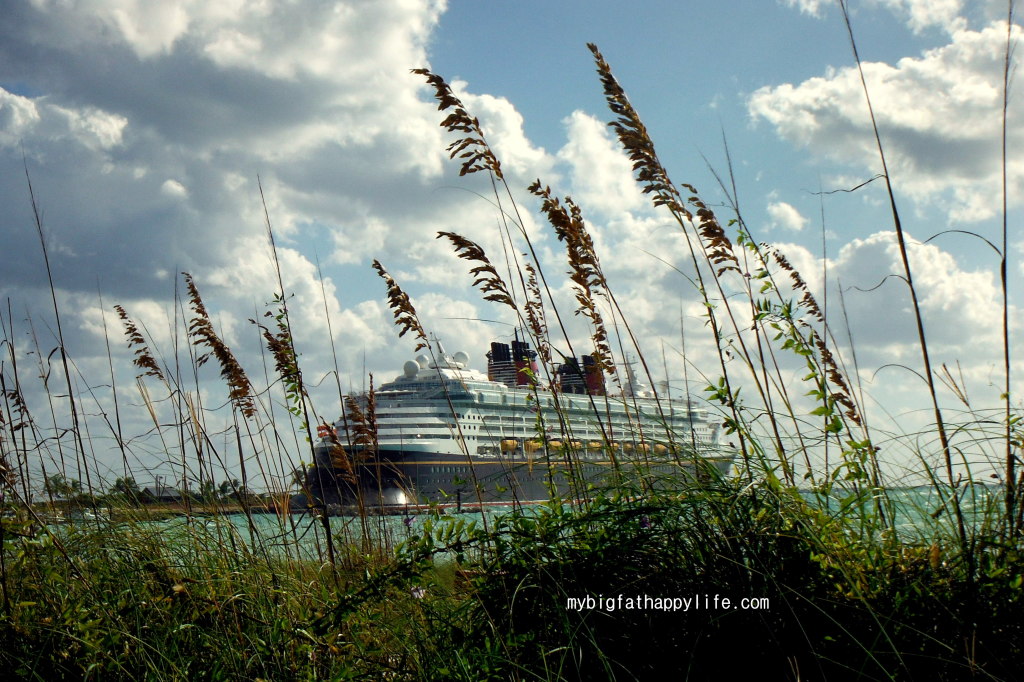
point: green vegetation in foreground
(129, 601)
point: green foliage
(127, 602)
(58, 486)
(228, 489)
(68, 490)
(125, 491)
(845, 603)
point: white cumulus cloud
(786, 216)
(938, 114)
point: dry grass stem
(402, 309)
(585, 269)
(143, 357)
(473, 150)
(201, 332)
(487, 278)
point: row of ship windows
(422, 429)
(405, 412)
(513, 425)
(427, 429)
(616, 424)
(495, 430)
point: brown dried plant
(339, 457)
(8, 477)
(17, 401)
(842, 394)
(143, 357)
(653, 177)
(714, 246)
(533, 309)
(201, 331)
(284, 359)
(632, 134)
(487, 278)
(363, 423)
(717, 245)
(340, 461)
(586, 274)
(807, 299)
(17, 418)
(401, 308)
(473, 149)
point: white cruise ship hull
(444, 434)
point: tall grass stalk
(929, 377)
(72, 403)
(1012, 517)
(287, 360)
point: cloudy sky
(144, 127)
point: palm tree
(128, 488)
(58, 486)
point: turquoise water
(922, 512)
(918, 514)
(297, 536)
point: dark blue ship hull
(402, 480)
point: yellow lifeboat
(643, 447)
(594, 445)
(660, 449)
(533, 445)
(509, 445)
(555, 444)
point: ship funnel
(593, 376)
(511, 365)
(587, 377)
(525, 361)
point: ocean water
(297, 536)
(919, 514)
(923, 512)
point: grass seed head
(143, 357)
(487, 277)
(473, 150)
(201, 331)
(401, 308)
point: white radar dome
(462, 358)
(423, 361)
(410, 369)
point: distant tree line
(126, 490)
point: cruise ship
(444, 434)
